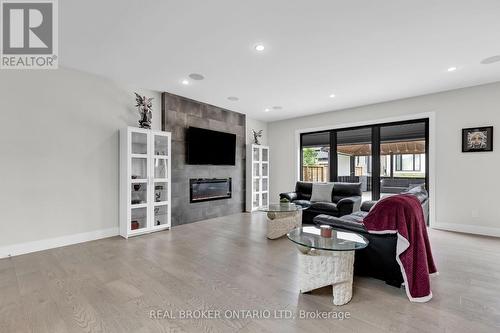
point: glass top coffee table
(309, 237)
(282, 218)
(325, 261)
(281, 207)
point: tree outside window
(309, 156)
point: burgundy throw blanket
(403, 215)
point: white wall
(257, 125)
(59, 153)
(467, 186)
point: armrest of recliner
(348, 205)
(290, 196)
(368, 205)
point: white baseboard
(467, 228)
(50, 243)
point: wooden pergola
(406, 147)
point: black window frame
(375, 161)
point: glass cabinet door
(265, 155)
(139, 193)
(160, 144)
(161, 174)
(138, 218)
(139, 168)
(160, 167)
(264, 199)
(265, 185)
(139, 159)
(256, 154)
(256, 169)
(139, 143)
(256, 200)
(265, 170)
(160, 158)
(256, 185)
(161, 192)
(160, 215)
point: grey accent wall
(178, 113)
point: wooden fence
(315, 173)
(320, 173)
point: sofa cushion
(322, 192)
(394, 182)
(343, 190)
(351, 222)
(366, 206)
(419, 191)
(398, 185)
(303, 203)
(303, 190)
(356, 217)
(327, 207)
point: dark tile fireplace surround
(211, 183)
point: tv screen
(210, 147)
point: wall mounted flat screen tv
(209, 147)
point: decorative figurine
(144, 106)
(256, 136)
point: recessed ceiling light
(491, 60)
(233, 98)
(452, 69)
(196, 76)
(267, 109)
(185, 82)
(259, 47)
(277, 107)
(332, 96)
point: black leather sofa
(378, 259)
(346, 198)
(398, 185)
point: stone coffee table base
(281, 223)
(319, 269)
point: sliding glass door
(386, 159)
(354, 158)
(403, 157)
(315, 157)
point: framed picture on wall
(477, 139)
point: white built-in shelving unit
(257, 177)
(145, 182)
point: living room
(266, 166)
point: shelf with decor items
(257, 177)
(145, 181)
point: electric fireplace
(207, 189)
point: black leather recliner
(346, 198)
(378, 259)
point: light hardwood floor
(111, 285)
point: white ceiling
(363, 51)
